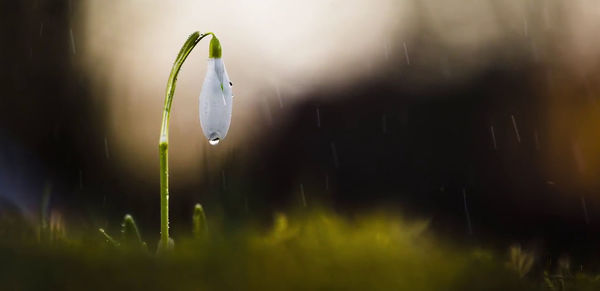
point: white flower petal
(215, 101)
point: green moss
(314, 250)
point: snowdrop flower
(215, 116)
(215, 97)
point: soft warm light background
(286, 49)
(269, 47)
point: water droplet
(214, 141)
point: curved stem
(163, 143)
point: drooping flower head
(216, 96)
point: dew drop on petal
(214, 141)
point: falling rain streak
(585, 211)
(267, 110)
(41, 28)
(445, 68)
(386, 49)
(536, 138)
(106, 153)
(302, 195)
(406, 53)
(578, 155)
(318, 118)
(72, 41)
(383, 124)
(80, 179)
(514, 122)
(278, 93)
(469, 228)
(335, 156)
(326, 182)
(493, 137)
(223, 180)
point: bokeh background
(481, 116)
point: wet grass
(311, 251)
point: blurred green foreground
(311, 251)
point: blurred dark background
(412, 138)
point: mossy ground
(312, 251)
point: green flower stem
(163, 144)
